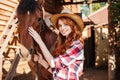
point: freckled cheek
(69, 30)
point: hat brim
(77, 19)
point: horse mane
(27, 5)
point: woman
(67, 58)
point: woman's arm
(42, 46)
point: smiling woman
(68, 56)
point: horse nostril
(31, 50)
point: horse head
(29, 13)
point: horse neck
(48, 36)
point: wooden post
(0, 66)
(112, 40)
(13, 68)
(90, 6)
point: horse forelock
(27, 5)
(27, 8)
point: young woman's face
(64, 28)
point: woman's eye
(66, 25)
(59, 25)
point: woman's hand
(34, 34)
(38, 57)
(41, 44)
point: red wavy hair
(63, 43)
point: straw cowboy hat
(67, 13)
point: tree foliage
(114, 22)
(114, 31)
(115, 11)
(97, 6)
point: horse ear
(40, 2)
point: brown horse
(30, 13)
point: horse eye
(39, 19)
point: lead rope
(37, 70)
